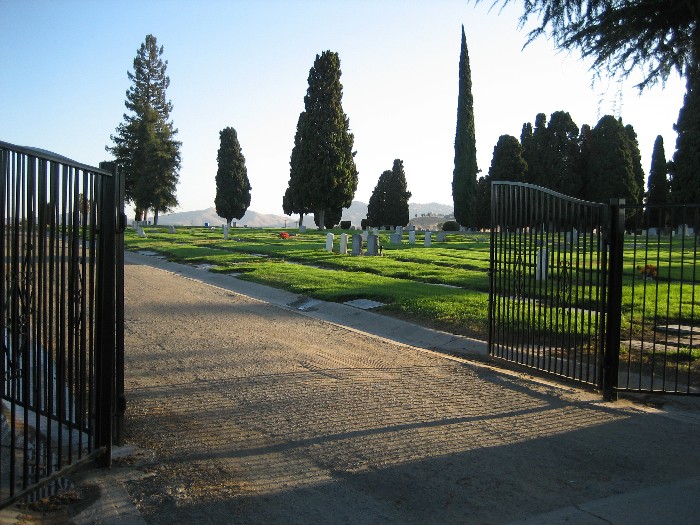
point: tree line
(597, 163)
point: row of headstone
(683, 230)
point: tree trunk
(321, 219)
(228, 222)
(155, 218)
(138, 214)
(301, 220)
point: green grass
(445, 286)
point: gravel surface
(250, 413)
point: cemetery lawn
(444, 286)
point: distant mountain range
(423, 215)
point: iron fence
(659, 348)
(59, 324)
(548, 276)
(602, 294)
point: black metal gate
(61, 322)
(570, 294)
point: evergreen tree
(535, 151)
(508, 163)
(654, 36)
(584, 161)
(464, 175)
(232, 185)
(331, 218)
(610, 170)
(144, 144)
(375, 207)
(396, 206)
(388, 204)
(483, 203)
(294, 200)
(563, 155)
(326, 157)
(633, 145)
(685, 169)
(658, 185)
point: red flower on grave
(284, 235)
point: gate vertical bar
(104, 362)
(616, 241)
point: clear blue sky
(245, 64)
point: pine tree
(325, 157)
(144, 144)
(658, 185)
(685, 181)
(232, 185)
(465, 171)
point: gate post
(106, 320)
(613, 309)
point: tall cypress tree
(232, 184)
(329, 173)
(464, 175)
(685, 181)
(658, 186)
(144, 144)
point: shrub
(344, 225)
(450, 226)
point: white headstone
(171, 229)
(375, 231)
(365, 234)
(356, 244)
(428, 238)
(226, 229)
(343, 243)
(541, 264)
(329, 242)
(653, 232)
(440, 236)
(372, 244)
(302, 229)
(140, 232)
(412, 237)
(396, 238)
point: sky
(245, 64)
